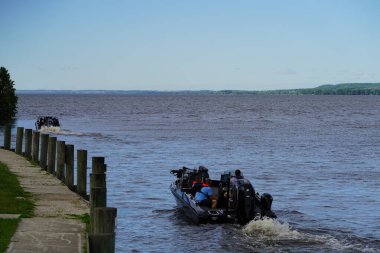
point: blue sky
(192, 45)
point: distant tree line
(344, 89)
(347, 91)
(338, 89)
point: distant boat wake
(58, 131)
(50, 129)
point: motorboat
(48, 123)
(236, 203)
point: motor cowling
(243, 199)
(266, 206)
(203, 172)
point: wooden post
(19, 138)
(104, 220)
(52, 147)
(7, 137)
(28, 143)
(44, 150)
(69, 160)
(101, 243)
(61, 160)
(82, 173)
(97, 180)
(98, 198)
(36, 145)
(102, 234)
(98, 166)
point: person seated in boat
(55, 122)
(197, 186)
(40, 122)
(205, 196)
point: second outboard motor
(244, 197)
(266, 206)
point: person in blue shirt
(205, 196)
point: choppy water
(319, 156)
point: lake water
(319, 157)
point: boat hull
(195, 212)
(236, 203)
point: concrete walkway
(52, 229)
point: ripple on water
(270, 232)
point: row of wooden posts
(57, 158)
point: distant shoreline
(327, 89)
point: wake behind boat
(236, 203)
(47, 123)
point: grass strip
(13, 200)
(7, 229)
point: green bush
(8, 98)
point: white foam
(335, 244)
(270, 228)
(68, 132)
(58, 131)
(273, 230)
(51, 129)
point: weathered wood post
(102, 219)
(98, 166)
(7, 137)
(102, 237)
(28, 143)
(61, 160)
(52, 147)
(82, 173)
(98, 180)
(69, 160)
(100, 243)
(44, 150)
(98, 190)
(19, 138)
(98, 198)
(36, 145)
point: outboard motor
(243, 198)
(177, 173)
(203, 172)
(266, 206)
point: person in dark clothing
(235, 181)
(197, 186)
(238, 176)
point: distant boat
(47, 123)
